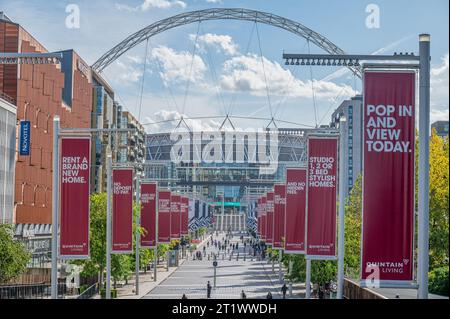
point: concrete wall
(352, 290)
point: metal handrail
(89, 292)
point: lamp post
(424, 166)
(55, 205)
(108, 222)
(341, 246)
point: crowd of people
(225, 245)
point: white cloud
(439, 90)
(220, 42)
(214, 1)
(176, 66)
(246, 74)
(126, 71)
(151, 4)
(438, 115)
(173, 119)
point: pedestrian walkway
(146, 282)
(251, 275)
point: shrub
(438, 281)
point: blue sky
(225, 76)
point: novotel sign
(24, 141)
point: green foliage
(13, 255)
(162, 250)
(439, 208)
(192, 248)
(353, 209)
(298, 267)
(438, 281)
(113, 293)
(323, 271)
(202, 231)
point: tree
(439, 188)
(13, 255)
(353, 209)
(121, 265)
(439, 214)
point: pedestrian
(269, 295)
(243, 295)
(208, 290)
(284, 289)
(184, 296)
(320, 292)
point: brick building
(40, 92)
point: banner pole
(291, 266)
(108, 222)
(308, 279)
(341, 238)
(280, 257)
(155, 250)
(55, 206)
(138, 224)
(424, 166)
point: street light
(341, 246)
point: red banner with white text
(164, 217)
(148, 214)
(74, 190)
(295, 220)
(175, 217)
(258, 210)
(388, 178)
(279, 204)
(184, 207)
(122, 221)
(269, 221)
(263, 219)
(321, 197)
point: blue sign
(24, 142)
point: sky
(214, 68)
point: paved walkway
(146, 282)
(254, 277)
(391, 293)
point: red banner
(263, 218)
(279, 211)
(295, 221)
(259, 211)
(184, 216)
(388, 184)
(164, 217)
(74, 189)
(122, 221)
(175, 217)
(148, 214)
(321, 197)
(269, 221)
